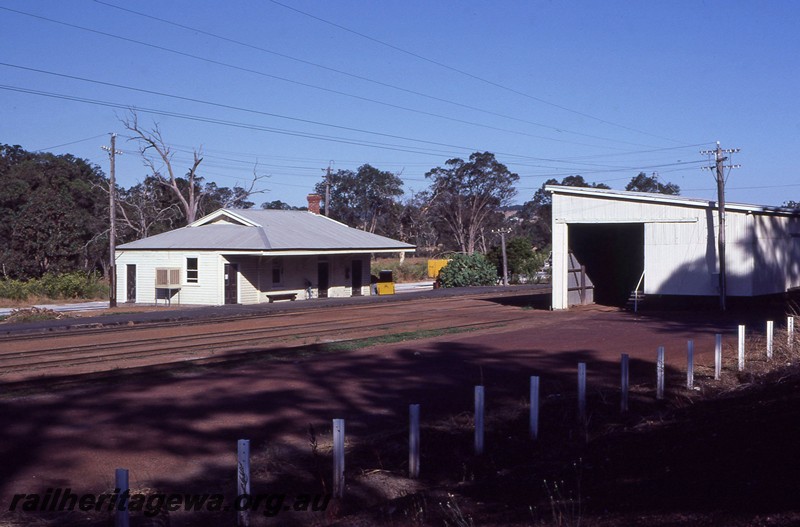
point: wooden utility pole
(503, 233)
(112, 233)
(719, 168)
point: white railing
(636, 293)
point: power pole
(112, 235)
(503, 233)
(719, 168)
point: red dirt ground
(176, 430)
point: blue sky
(553, 88)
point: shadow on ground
(682, 461)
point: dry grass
(32, 314)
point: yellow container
(385, 288)
(434, 266)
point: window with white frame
(192, 272)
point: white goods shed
(235, 256)
(667, 245)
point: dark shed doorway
(613, 254)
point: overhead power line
(470, 75)
(210, 120)
(231, 107)
(363, 78)
(70, 143)
(295, 133)
(385, 146)
(322, 88)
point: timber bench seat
(281, 296)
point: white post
(770, 338)
(338, 458)
(122, 516)
(479, 420)
(243, 482)
(741, 347)
(582, 392)
(717, 357)
(534, 420)
(560, 265)
(790, 332)
(413, 441)
(625, 374)
(690, 365)
(660, 373)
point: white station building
(235, 256)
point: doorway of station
(322, 279)
(613, 254)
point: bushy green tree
(365, 199)
(52, 214)
(644, 183)
(536, 214)
(417, 226)
(467, 195)
(280, 205)
(518, 249)
(465, 270)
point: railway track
(121, 347)
(92, 328)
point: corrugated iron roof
(268, 230)
(669, 199)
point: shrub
(66, 286)
(466, 270)
(14, 289)
(529, 269)
(518, 250)
(411, 270)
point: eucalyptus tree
(467, 195)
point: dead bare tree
(140, 210)
(191, 196)
(152, 139)
(240, 194)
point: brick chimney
(313, 203)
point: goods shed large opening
(613, 254)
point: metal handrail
(636, 294)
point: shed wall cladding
(681, 258)
(739, 253)
(680, 243)
(678, 259)
(776, 253)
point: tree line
(54, 209)
(54, 212)
(466, 203)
